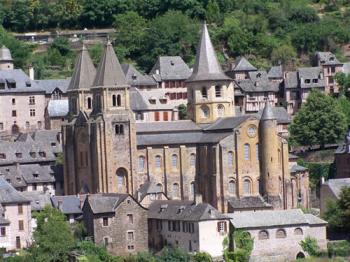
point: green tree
(310, 246)
(343, 81)
(213, 12)
(243, 247)
(320, 121)
(53, 239)
(283, 54)
(173, 254)
(202, 257)
(182, 111)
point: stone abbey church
(234, 162)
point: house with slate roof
(70, 206)
(330, 191)
(330, 66)
(149, 192)
(22, 99)
(240, 69)
(192, 226)
(171, 72)
(15, 218)
(116, 221)
(277, 233)
(138, 80)
(216, 153)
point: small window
(20, 209)
(42, 154)
(119, 129)
(218, 91)
(131, 247)
(192, 189)
(174, 161)
(247, 186)
(32, 154)
(298, 231)
(263, 234)
(27, 125)
(19, 155)
(13, 101)
(204, 92)
(40, 125)
(105, 221)
(3, 231)
(2, 156)
(222, 227)
(307, 81)
(32, 112)
(89, 103)
(221, 110)
(32, 100)
(176, 190)
(14, 113)
(193, 159)
(20, 225)
(114, 100)
(257, 151)
(158, 161)
(119, 100)
(281, 233)
(205, 111)
(34, 186)
(130, 236)
(1, 126)
(232, 187)
(106, 241)
(130, 218)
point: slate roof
(275, 72)
(109, 71)
(258, 81)
(140, 100)
(69, 204)
(38, 200)
(279, 113)
(105, 203)
(23, 83)
(5, 54)
(50, 85)
(183, 210)
(22, 175)
(9, 195)
(84, 71)
(228, 123)
(135, 78)
(170, 68)
(311, 73)
(272, 218)
(296, 168)
(327, 58)
(336, 185)
(248, 202)
(206, 66)
(242, 64)
(58, 108)
(172, 126)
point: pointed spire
(268, 113)
(207, 66)
(109, 71)
(84, 71)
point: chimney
(198, 199)
(31, 72)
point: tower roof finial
(207, 66)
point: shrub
(310, 246)
(339, 248)
(202, 257)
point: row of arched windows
(247, 186)
(218, 91)
(116, 101)
(280, 233)
(158, 161)
(206, 111)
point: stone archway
(300, 255)
(122, 180)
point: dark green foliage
(320, 121)
(243, 247)
(202, 257)
(53, 239)
(317, 170)
(310, 246)
(174, 255)
(338, 212)
(182, 111)
(338, 248)
(95, 253)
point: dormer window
(152, 100)
(11, 83)
(19, 155)
(2, 83)
(133, 77)
(42, 154)
(307, 81)
(32, 154)
(258, 75)
(2, 156)
(204, 92)
(28, 83)
(36, 175)
(315, 81)
(172, 62)
(331, 58)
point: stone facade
(117, 222)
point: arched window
(247, 186)
(257, 151)
(281, 233)
(246, 152)
(205, 111)
(160, 187)
(89, 103)
(298, 231)
(141, 163)
(263, 234)
(158, 161)
(221, 110)
(15, 129)
(218, 91)
(174, 161)
(204, 92)
(176, 190)
(114, 100)
(232, 187)
(119, 100)
(121, 177)
(230, 158)
(193, 159)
